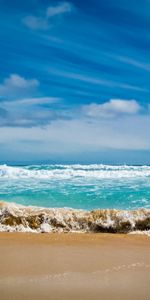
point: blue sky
(75, 81)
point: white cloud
(111, 108)
(15, 84)
(74, 136)
(43, 22)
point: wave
(74, 171)
(15, 217)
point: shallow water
(77, 186)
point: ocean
(77, 186)
(63, 197)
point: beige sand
(74, 266)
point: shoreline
(74, 266)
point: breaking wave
(14, 217)
(72, 171)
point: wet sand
(74, 266)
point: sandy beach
(74, 266)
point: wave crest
(14, 217)
(73, 171)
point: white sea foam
(143, 232)
(14, 217)
(74, 171)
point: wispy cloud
(36, 23)
(60, 8)
(132, 62)
(36, 101)
(43, 21)
(96, 81)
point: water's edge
(15, 217)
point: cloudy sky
(75, 81)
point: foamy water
(100, 198)
(78, 186)
(73, 171)
(20, 218)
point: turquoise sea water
(77, 186)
